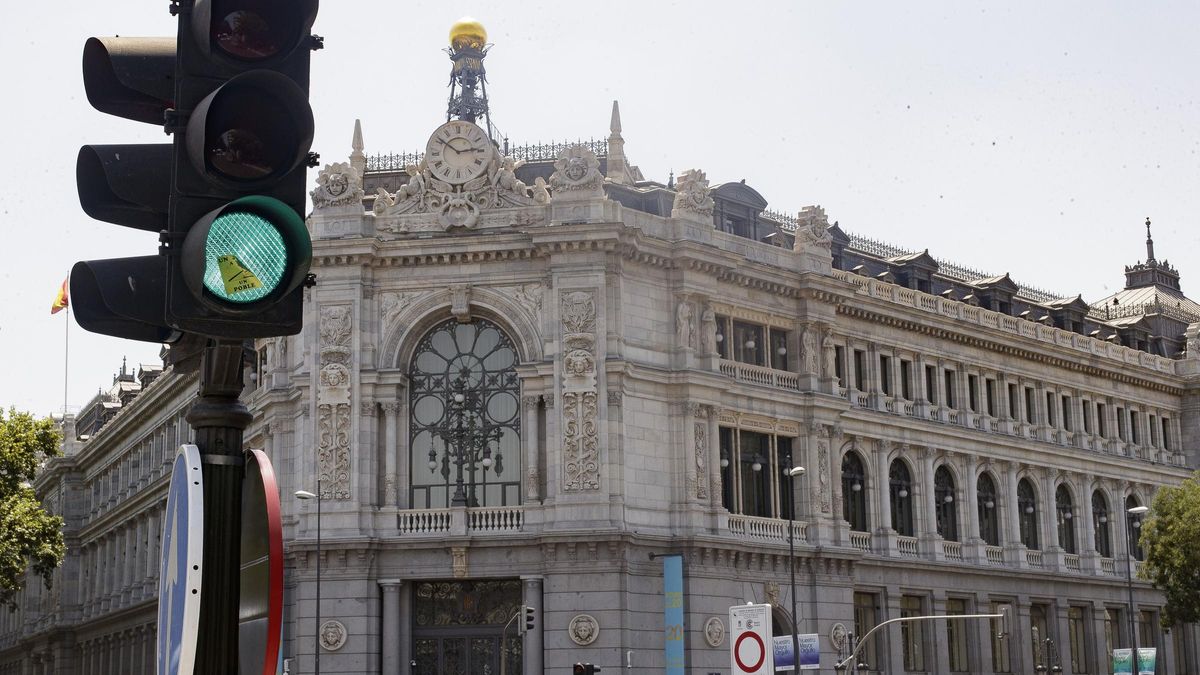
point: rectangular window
(779, 352)
(972, 395)
(1166, 433)
(1014, 410)
(866, 617)
(1087, 417)
(1102, 419)
(1050, 409)
(727, 468)
(1038, 634)
(723, 334)
(1147, 636)
(885, 374)
(1153, 431)
(1121, 434)
(1077, 631)
(956, 636)
(860, 365)
(912, 634)
(989, 389)
(931, 384)
(748, 344)
(1066, 414)
(839, 363)
(1030, 402)
(754, 462)
(1134, 433)
(1001, 661)
(1112, 619)
(906, 380)
(950, 380)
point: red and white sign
(260, 623)
(750, 640)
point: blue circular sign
(179, 573)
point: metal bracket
(316, 42)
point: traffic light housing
(529, 617)
(237, 248)
(584, 669)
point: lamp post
(468, 441)
(305, 494)
(1134, 521)
(792, 473)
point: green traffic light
(245, 258)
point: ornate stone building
(525, 371)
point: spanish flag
(60, 301)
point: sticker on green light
(245, 257)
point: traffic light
(584, 669)
(237, 248)
(126, 185)
(530, 615)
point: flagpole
(66, 358)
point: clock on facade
(458, 151)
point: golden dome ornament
(467, 33)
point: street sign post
(182, 560)
(260, 623)
(750, 651)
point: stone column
(391, 488)
(885, 535)
(405, 639)
(919, 387)
(979, 650)
(1058, 625)
(893, 645)
(530, 403)
(1014, 549)
(937, 637)
(928, 528)
(973, 544)
(1088, 558)
(851, 370)
(715, 496)
(533, 650)
(1022, 637)
(939, 387)
(150, 574)
(1050, 513)
(390, 626)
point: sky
(1025, 137)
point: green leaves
(29, 537)
(1171, 540)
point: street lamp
(468, 441)
(1134, 521)
(305, 494)
(792, 473)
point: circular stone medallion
(333, 635)
(583, 629)
(714, 632)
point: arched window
(900, 491)
(1064, 506)
(854, 492)
(1134, 527)
(989, 523)
(1027, 503)
(464, 430)
(1100, 524)
(947, 510)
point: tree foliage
(29, 536)
(1171, 540)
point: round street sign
(749, 652)
(179, 573)
(260, 626)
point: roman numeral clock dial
(458, 151)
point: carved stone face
(576, 168)
(338, 184)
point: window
(722, 331)
(1027, 503)
(1134, 428)
(906, 382)
(1050, 409)
(839, 364)
(1134, 528)
(1077, 632)
(1066, 413)
(1039, 633)
(752, 466)
(1166, 433)
(956, 636)
(900, 490)
(950, 380)
(1121, 425)
(1001, 661)
(989, 526)
(972, 395)
(854, 493)
(931, 384)
(989, 389)
(1013, 408)
(1146, 621)
(1112, 619)
(1102, 419)
(1030, 402)
(860, 366)
(1100, 524)
(912, 634)
(866, 617)
(1153, 431)
(947, 511)
(885, 374)
(747, 344)
(779, 352)
(1087, 417)
(463, 383)
(1064, 507)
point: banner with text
(673, 614)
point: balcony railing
(1108, 566)
(1072, 562)
(495, 519)
(1034, 558)
(424, 521)
(952, 550)
(995, 555)
(746, 372)
(907, 546)
(766, 529)
(861, 540)
(441, 521)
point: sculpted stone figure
(684, 327)
(708, 331)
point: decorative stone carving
(771, 590)
(714, 631)
(528, 295)
(810, 351)
(333, 402)
(701, 460)
(1193, 341)
(581, 453)
(838, 635)
(366, 408)
(460, 302)
(458, 561)
(685, 325)
(615, 397)
(583, 629)
(338, 184)
(577, 174)
(691, 195)
(829, 353)
(708, 331)
(812, 230)
(392, 303)
(333, 635)
(823, 475)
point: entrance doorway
(458, 627)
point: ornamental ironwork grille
(900, 490)
(989, 526)
(1027, 503)
(854, 498)
(1100, 523)
(947, 510)
(478, 358)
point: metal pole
(317, 626)
(1129, 520)
(792, 570)
(219, 419)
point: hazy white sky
(1027, 137)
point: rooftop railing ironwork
(530, 152)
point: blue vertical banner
(673, 614)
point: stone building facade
(519, 381)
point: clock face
(458, 152)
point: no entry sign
(179, 575)
(750, 640)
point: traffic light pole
(219, 419)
